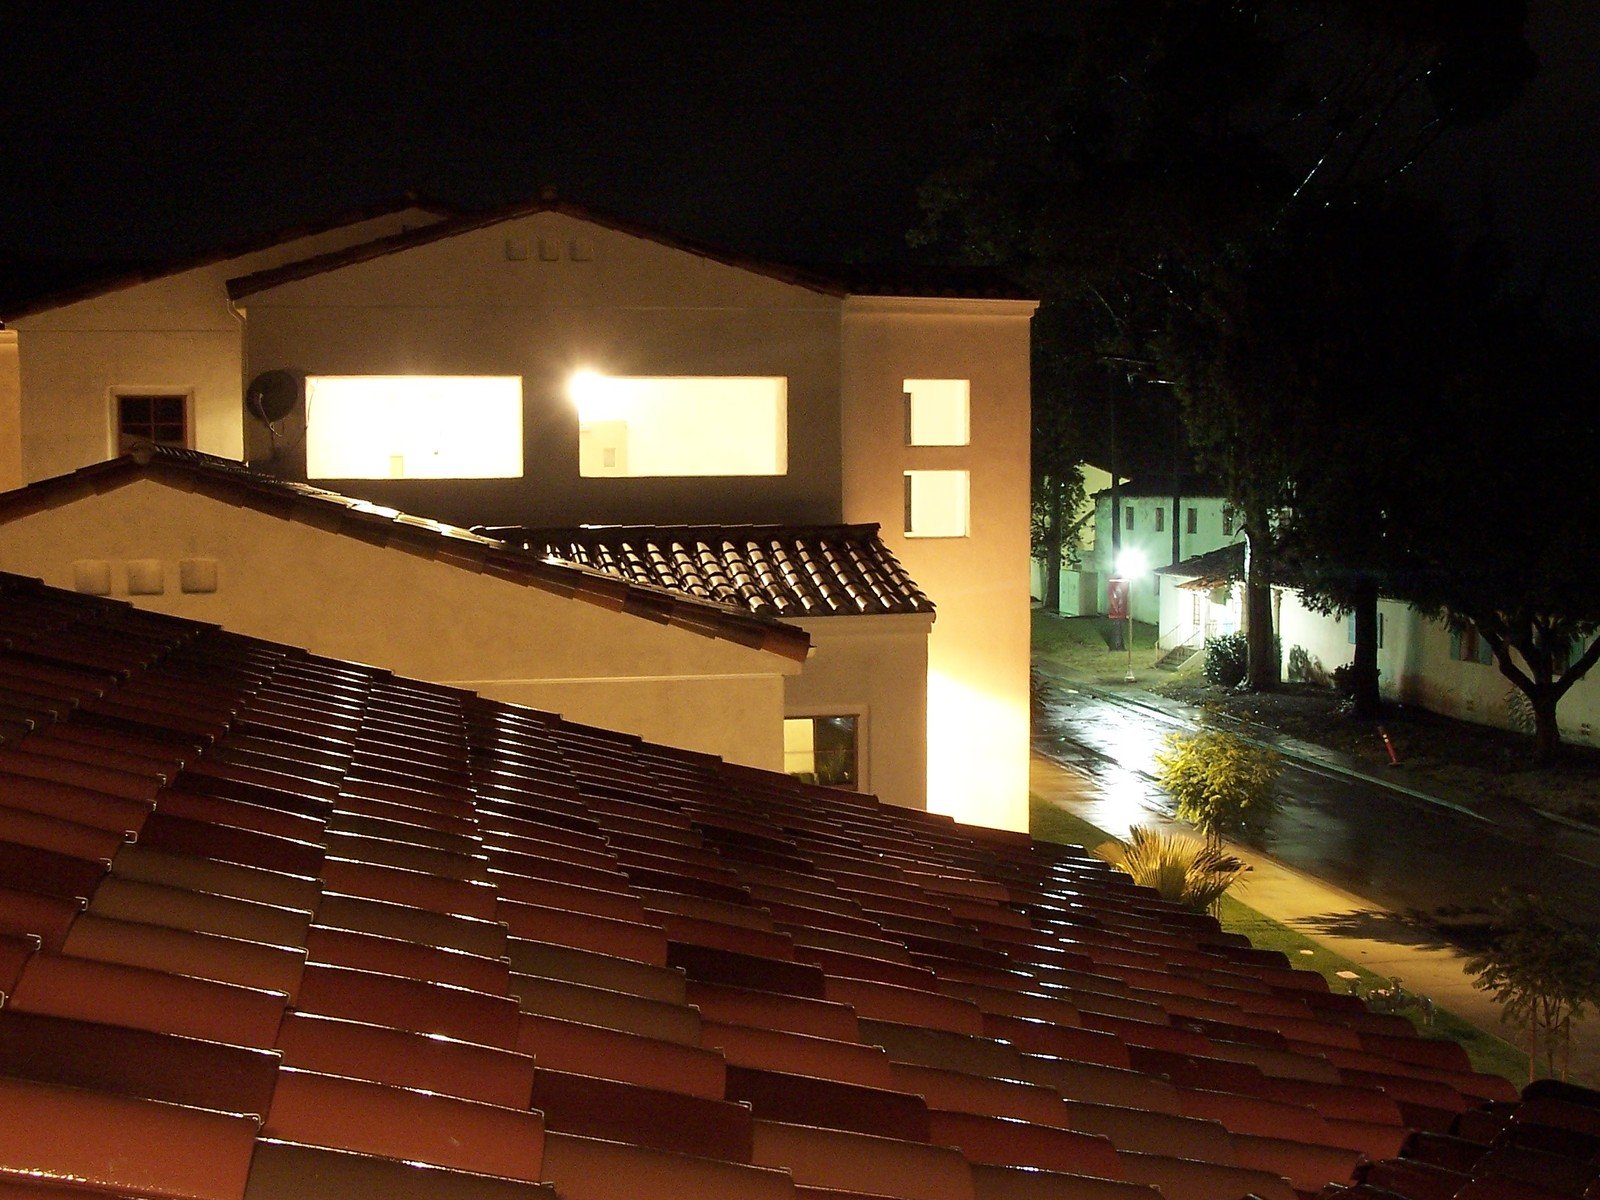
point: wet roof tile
(420, 908)
(772, 570)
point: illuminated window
(634, 426)
(413, 427)
(936, 504)
(821, 750)
(937, 412)
(143, 417)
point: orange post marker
(1394, 759)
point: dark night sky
(795, 128)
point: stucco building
(548, 367)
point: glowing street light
(1131, 563)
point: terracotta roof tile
(461, 948)
(772, 570)
(234, 483)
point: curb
(1307, 761)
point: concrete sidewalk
(1348, 925)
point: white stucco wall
(1415, 666)
(1156, 545)
(876, 668)
(978, 651)
(606, 301)
(343, 597)
(174, 334)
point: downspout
(244, 375)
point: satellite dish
(272, 395)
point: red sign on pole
(1117, 599)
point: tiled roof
(1544, 1146)
(276, 926)
(834, 280)
(773, 570)
(233, 483)
(1212, 569)
(259, 281)
(69, 284)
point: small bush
(1178, 868)
(1227, 659)
(1300, 668)
(1223, 784)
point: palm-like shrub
(1223, 784)
(1180, 868)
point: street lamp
(1130, 565)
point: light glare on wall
(413, 427)
(632, 426)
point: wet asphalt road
(1410, 856)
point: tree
(1544, 971)
(1303, 367)
(1115, 155)
(1503, 530)
(1223, 784)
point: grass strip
(1489, 1054)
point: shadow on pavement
(1372, 924)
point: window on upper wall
(1127, 516)
(1227, 522)
(1467, 646)
(937, 504)
(938, 412)
(142, 417)
(1161, 519)
(680, 425)
(413, 426)
(822, 750)
(1192, 521)
(1350, 629)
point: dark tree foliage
(1317, 354)
(1115, 156)
(1503, 525)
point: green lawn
(1488, 1054)
(1084, 643)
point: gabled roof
(260, 281)
(773, 570)
(233, 483)
(1209, 570)
(281, 926)
(47, 295)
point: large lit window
(936, 504)
(681, 425)
(937, 412)
(413, 427)
(821, 750)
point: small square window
(143, 418)
(938, 412)
(937, 503)
(822, 750)
(1192, 521)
